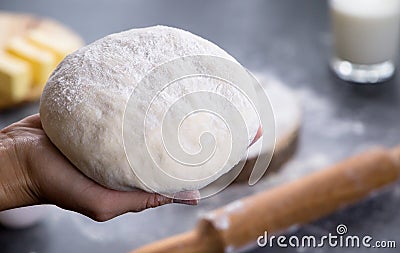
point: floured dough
(83, 104)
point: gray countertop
(288, 40)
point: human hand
(35, 172)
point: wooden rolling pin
(243, 221)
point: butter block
(57, 44)
(41, 61)
(15, 78)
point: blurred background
(288, 41)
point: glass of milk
(366, 39)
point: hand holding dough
(34, 172)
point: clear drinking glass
(366, 39)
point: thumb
(114, 203)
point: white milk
(366, 31)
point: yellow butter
(15, 78)
(41, 61)
(57, 44)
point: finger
(76, 192)
(114, 203)
(187, 197)
(106, 204)
(258, 135)
(102, 204)
(33, 121)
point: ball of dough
(84, 110)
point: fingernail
(187, 198)
(190, 202)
